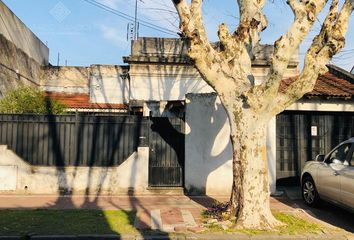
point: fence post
(76, 139)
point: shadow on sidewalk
(325, 212)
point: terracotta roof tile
(82, 101)
(327, 85)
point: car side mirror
(336, 161)
(320, 157)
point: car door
(328, 175)
(347, 181)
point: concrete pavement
(168, 214)
(164, 213)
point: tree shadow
(325, 212)
(121, 132)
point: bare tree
(249, 106)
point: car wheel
(309, 192)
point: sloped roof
(336, 83)
(82, 101)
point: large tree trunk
(250, 193)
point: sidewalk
(165, 214)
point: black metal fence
(72, 140)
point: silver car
(330, 177)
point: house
(162, 75)
(176, 136)
(90, 89)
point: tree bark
(250, 196)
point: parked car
(330, 177)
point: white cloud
(113, 35)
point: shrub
(29, 100)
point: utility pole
(135, 21)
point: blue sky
(85, 34)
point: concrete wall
(14, 30)
(158, 82)
(208, 160)
(16, 68)
(323, 105)
(104, 83)
(174, 50)
(132, 175)
(165, 82)
(109, 84)
(65, 79)
(21, 53)
(156, 47)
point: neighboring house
(98, 88)
(316, 123)
(80, 102)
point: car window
(351, 163)
(339, 155)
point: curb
(225, 236)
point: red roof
(327, 85)
(82, 101)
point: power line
(130, 18)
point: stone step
(166, 190)
(167, 219)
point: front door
(166, 156)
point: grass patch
(68, 222)
(294, 226)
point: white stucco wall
(208, 151)
(165, 82)
(65, 79)
(131, 175)
(157, 82)
(322, 105)
(14, 30)
(108, 84)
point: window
(339, 155)
(351, 160)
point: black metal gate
(303, 135)
(166, 158)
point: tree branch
(211, 64)
(305, 13)
(252, 22)
(325, 45)
(191, 26)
